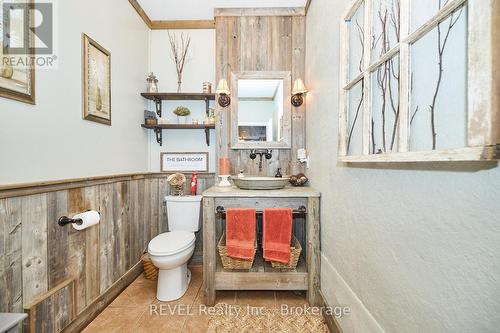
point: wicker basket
(295, 250)
(233, 263)
(150, 270)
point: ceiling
(257, 88)
(204, 9)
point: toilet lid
(171, 242)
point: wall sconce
(223, 92)
(298, 91)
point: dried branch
(396, 18)
(441, 44)
(386, 73)
(361, 37)
(179, 50)
(413, 115)
(358, 109)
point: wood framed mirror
(261, 110)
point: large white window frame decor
(482, 137)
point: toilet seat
(170, 243)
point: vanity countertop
(287, 192)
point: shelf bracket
(207, 136)
(207, 106)
(159, 135)
(158, 106)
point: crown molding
(183, 24)
(210, 24)
(263, 11)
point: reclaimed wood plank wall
(37, 255)
(260, 43)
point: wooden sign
(184, 162)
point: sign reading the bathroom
(184, 162)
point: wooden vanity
(262, 276)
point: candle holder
(224, 171)
(224, 182)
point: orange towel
(277, 234)
(240, 233)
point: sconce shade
(299, 87)
(222, 87)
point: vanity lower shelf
(262, 277)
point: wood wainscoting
(37, 255)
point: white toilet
(171, 250)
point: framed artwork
(96, 82)
(17, 77)
(184, 162)
(254, 132)
(418, 81)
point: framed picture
(17, 77)
(255, 131)
(96, 82)
(184, 162)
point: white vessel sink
(260, 183)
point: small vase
(182, 119)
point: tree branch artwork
(441, 47)
(442, 40)
(387, 80)
(361, 39)
(179, 48)
(356, 116)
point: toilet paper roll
(89, 219)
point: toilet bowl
(170, 251)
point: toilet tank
(183, 212)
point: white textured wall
(50, 140)
(410, 247)
(199, 68)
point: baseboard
(330, 319)
(100, 303)
(336, 290)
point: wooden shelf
(262, 277)
(159, 97)
(178, 96)
(159, 127)
(179, 126)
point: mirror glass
(260, 110)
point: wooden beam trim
(271, 11)
(183, 24)
(18, 190)
(141, 12)
(99, 304)
(40, 298)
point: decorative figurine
(176, 182)
(298, 180)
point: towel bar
(301, 210)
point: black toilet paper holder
(63, 220)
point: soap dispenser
(278, 173)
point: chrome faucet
(267, 153)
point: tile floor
(134, 309)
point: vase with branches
(179, 48)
